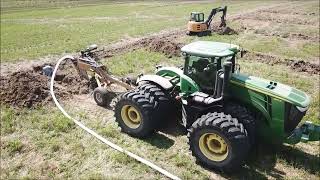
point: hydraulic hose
(107, 142)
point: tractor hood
(274, 89)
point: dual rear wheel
(141, 111)
(217, 140)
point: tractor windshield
(203, 70)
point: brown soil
(164, 45)
(31, 89)
(293, 36)
(162, 42)
(224, 30)
(295, 64)
(23, 85)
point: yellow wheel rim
(213, 146)
(131, 116)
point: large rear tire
(150, 103)
(166, 107)
(133, 113)
(219, 141)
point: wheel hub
(131, 116)
(213, 146)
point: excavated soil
(224, 30)
(31, 88)
(162, 42)
(165, 46)
(23, 84)
(295, 64)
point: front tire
(245, 117)
(219, 141)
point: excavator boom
(214, 12)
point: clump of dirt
(164, 45)
(31, 88)
(297, 65)
(303, 66)
(224, 30)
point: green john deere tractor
(224, 111)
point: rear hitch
(306, 132)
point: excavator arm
(214, 12)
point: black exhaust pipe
(227, 66)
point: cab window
(197, 17)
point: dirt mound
(295, 64)
(224, 30)
(31, 89)
(164, 45)
(303, 66)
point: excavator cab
(198, 25)
(197, 17)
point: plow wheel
(102, 96)
(218, 141)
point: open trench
(24, 85)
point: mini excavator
(198, 26)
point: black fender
(161, 81)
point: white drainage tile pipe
(114, 146)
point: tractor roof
(210, 49)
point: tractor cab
(205, 62)
(197, 17)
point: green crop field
(40, 143)
(31, 34)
